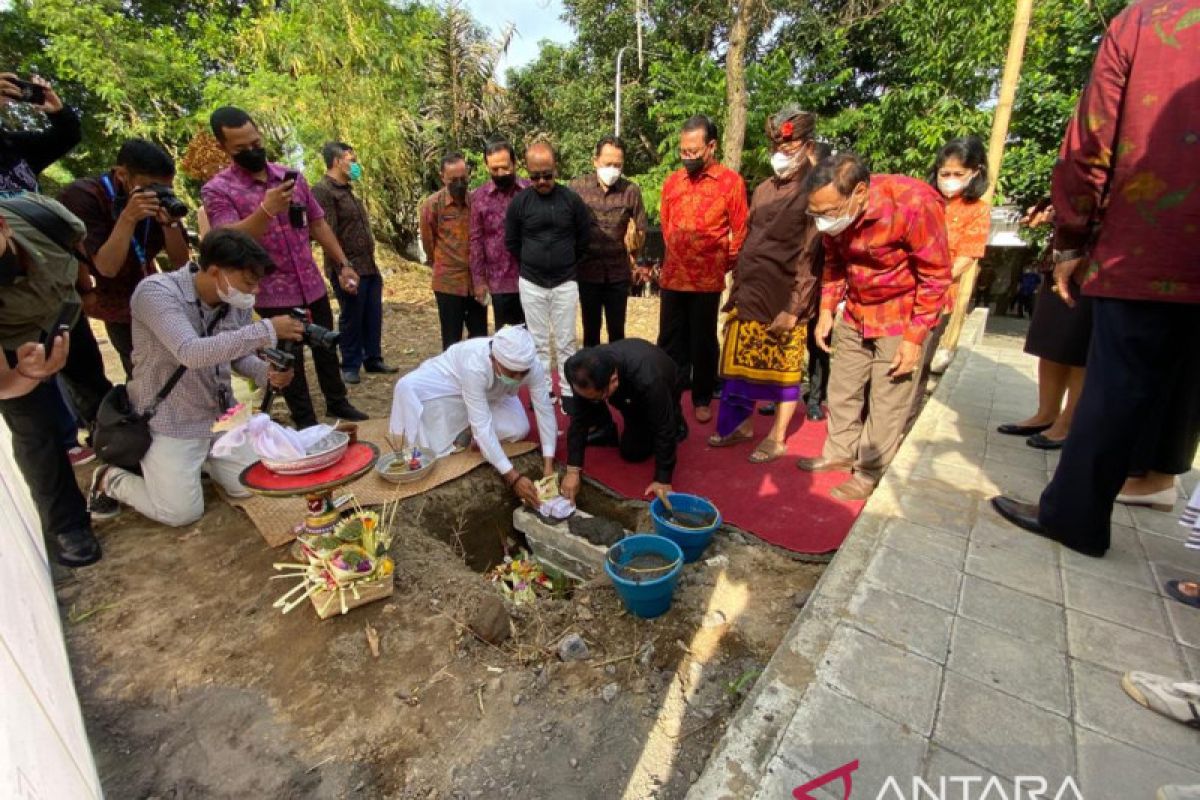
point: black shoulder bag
(121, 435)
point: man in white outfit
(473, 387)
(546, 228)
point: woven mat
(276, 518)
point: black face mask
(458, 188)
(252, 160)
(505, 181)
(10, 266)
(693, 166)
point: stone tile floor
(942, 641)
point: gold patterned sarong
(752, 354)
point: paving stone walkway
(943, 642)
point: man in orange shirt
(703, 212)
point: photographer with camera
(38, 306)
(132, 215)
(276, 207)
(199, 319)
(24, 154)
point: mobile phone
(291, 175)
(30, 92)
(66, 318)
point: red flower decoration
(787, 129)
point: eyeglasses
(538, 177)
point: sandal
(767, 451)
(1189, 596)
(737, 437)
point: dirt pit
(193, 686)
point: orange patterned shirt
(968, 223)
(892, 266)
(703, 225)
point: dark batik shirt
(610, 211)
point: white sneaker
(1178, 700)
(941, 361)
(1160, 501)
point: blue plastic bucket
(692, 541)
(652, 595)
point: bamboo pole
(1000, 121)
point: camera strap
(177, 375)
(139, 248)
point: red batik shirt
(892, 266)
(445, 235)
(968, 223)
(1128, 164)
(703, 226)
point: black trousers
(37, 437)
(607, 300)
(120, 336)
(84, 375)
(687, 330)
(325, 361)
(818, 369)
(1139, 402)
(456, 313)
(506, 310)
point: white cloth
(269, 439)
(513, 347)
(170, 492)
(550, 314)
(459, 388)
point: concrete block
(1108, 768)
(557, 547)
(1115, 602)
(998, 458)
(830, 730)
(1009, 737)
(917, 540)
(1192, 656)
(1102, 705)
(1185, 622)
(1033, 672)
(943, 764)
(1171, 551)
(922, 511)
(925, 580)
(1120, 648)
(1014, 613)
(1164, 523)
(896, 683)
(902, 621)
(1031, 576)
(1125, 561)
(991, 531)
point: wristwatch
(1059, 256)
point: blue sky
(535, 20)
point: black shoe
(767, 409)
(380, 368)
(1010, 429)
(351, 377)
(77, 548)
(343, 410)
(604, 436)
(1040, 442)
(1023, 515)
(99, 505)
(815, 412)
(682, 433)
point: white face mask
(952, 187)
(608, 175)
(236, 298)
(832, 226)
(783, 164)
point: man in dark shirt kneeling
(640, 381)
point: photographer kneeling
(198, 318)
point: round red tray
(359, 458)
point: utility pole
(637, 12)
(1003, 114)
(617, 121)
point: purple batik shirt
(491, 263)
(234, 194)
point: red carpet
(776, 501)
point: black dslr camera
(315, 335)
(170, 202)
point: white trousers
(433, 425)
(170, 492)
(550, 314)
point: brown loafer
(857, 488)
(822, 464)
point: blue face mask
(355, 170)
